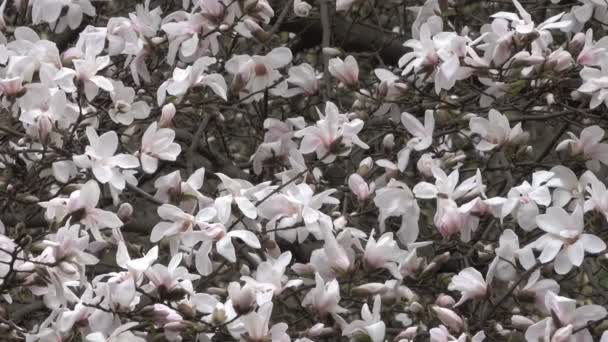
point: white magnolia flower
(495, 131)
(332, 136)
(347, 71)
(470, 283)
(370, 324)
(158, 144)
(253, 74)
(99, 157)
(191, 77)
(564, 241)
(240, 192)
(125, 108)
(567, 322)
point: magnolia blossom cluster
(195, 171)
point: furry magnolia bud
(125, 211)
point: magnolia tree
(291, 170)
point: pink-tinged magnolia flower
(171, 188)
(256, 327)
(191, 77)
(447, 186)
(187, 34)
(360, 188)
(507, 25)
(371, 323)
(564, 240)
(122, 37)
(175, 222)
(427, 162)
(305, 79)
(296, 204)
(157, 143)
(411, 264)
(450, 219)
(253, 74)
(523, 23)
(347, 71)
(278, 141)
(384, 253)
(99, 157)
(240, 192)
(169, 280)
(169, 319)
(588, 145)
(125, 110)
(495, 131)
(591, 54)
(525, 199)
(439, 53)
(243, 298)
(507, 254)
(325, 297)
(396, 199)
(67, 248)
(85, 71)
(568, 187)
(337, 255)
(43, 108)
(422, 135)
(333, 135)
(565, 319)
(537, 288)
(270, 278)
(82, 205)
(50, 11)
(595, 84)
(217, 233)
(470, 283)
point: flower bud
(365, 166)
(45, 126)
(425, 164)
(301, 8)
(125, 211)
(445, 301)
(219, 314)
(388, 143)
(449, 318)
(369, 289)
(331, 52)
(242, 298)
(167, 114)
(575, 45)
(415, 307)
(521, 322)
(340, 222)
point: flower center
(260, 69)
